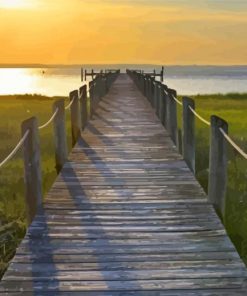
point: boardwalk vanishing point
(126, 216)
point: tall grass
(13, 110)
(232, 108)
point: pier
(126, 215)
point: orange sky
(123, 31)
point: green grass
(13, 110)
(232, 108)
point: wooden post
(155, 95)
(83, 105)
(171, 115)
(61, 148)
(218, 165)
(142, 84)
(75, 117)
(32, 167)
(163, 104)
(162, 74)
(82, 78)
(179, 141)
(152, 92)
(189, 133)
(105, 91)
(146, 86)
(158, 93)
(91, 101)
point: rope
(50, 120)
(234, 145)
(199, 117)
(175, 99)
(15, 150)
(70, 104)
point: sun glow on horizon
(14, 4)
(123, 31)
(17, 80)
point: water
(187, 80)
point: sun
(14, 3)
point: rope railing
(230, 141)
(50, 120)
(192, 110)
(22, 140)
(176, 100)
(234, 145)
(16, 149)
(199, 116)
(70, 104)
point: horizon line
(41, 65)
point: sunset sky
(123, 31)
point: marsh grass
(232, 108)
(13, 110)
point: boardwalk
(126, 217)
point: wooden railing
(92, 74)
(164, 101)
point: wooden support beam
(162, 113)
(218, 165)
(83, 106)
(189, 133)
(60, 140)
(32, 167)
(75, 117)
(171, 115)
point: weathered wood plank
(111, 285)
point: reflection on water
(40, 81)
(186, 80)
(214, 85)
(16, 81)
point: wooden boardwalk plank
(125, 217)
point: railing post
(91, 92)
(152, 92)
(32, 167)
(218, 165)
(156, 87)
(75, 117)
(105, 86)
(95, 92)
(144, 86)
(148, 88)
(83, 105)
(163, 104)
(158, 94)
(171, 115)
(61, 148)
(189, 133)
(179, 141)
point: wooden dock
(126, 216)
